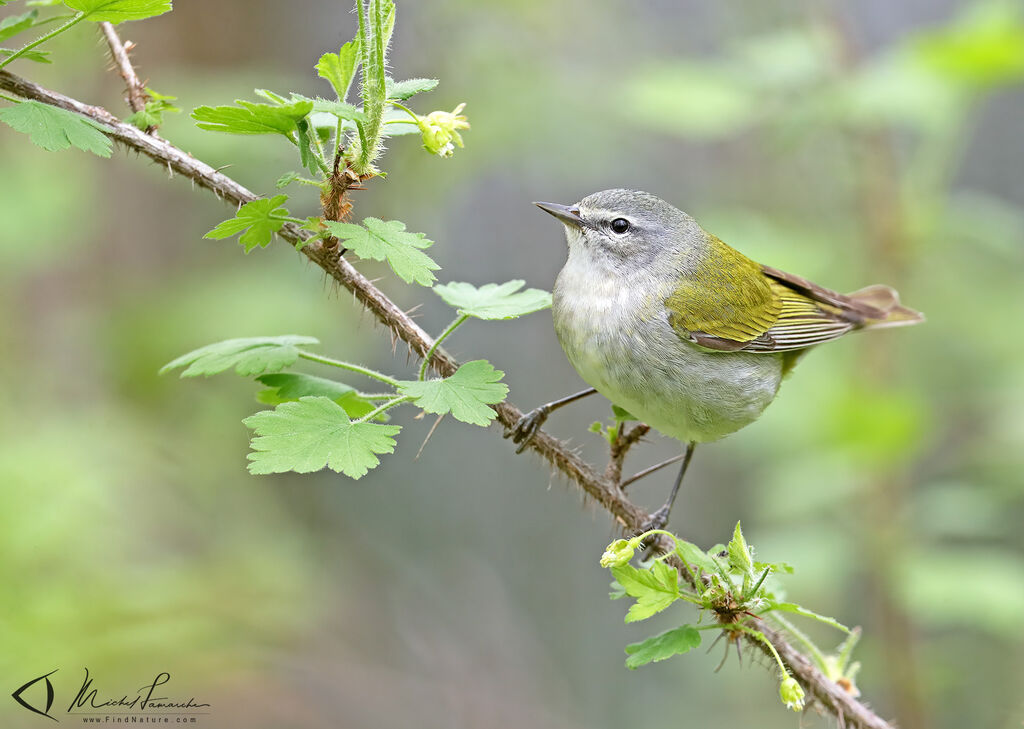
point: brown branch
(137, 94)
(628, 515)
(620, 447)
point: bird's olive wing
(755, 308)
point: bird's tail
(886, 301)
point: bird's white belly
(618, 338)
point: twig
(620, 447)
(651, 469)
(628, 515)
(136, 89)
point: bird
(681, 330)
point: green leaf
(388, 240)
(696, 557)
(466, 394)
(494, 301)
(739, 554)
(252, 118)
(55, 129)
(37, 56)
(775, 567)
(402, 90)
(339, 68)
(249, 356)
(339, 109)
(792, 607)
(117, 11)
(307, 156)
(654, 589)
(14, 24)
(659, 647)
(286, 179)
(314, 432)
(621, 414)
(259, 218)
(152, 115)
(291, 386)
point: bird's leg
(524, 430)
(659, 519)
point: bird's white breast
(614, 329)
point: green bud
(791, 693)
(440, 130)
(618, 553)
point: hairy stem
(75, 20)
(441, 337)
(350, 367)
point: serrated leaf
(792, 607)
(659, 647)
(339, 109)
(654, 589)
(694, 556)
(251, 118)
(55, 129)
(382, 240)
(466, 394)
(14, 24)
(286, 179)
(494, 301)
(259, 218)
(315, 432)
(118, 11)
(339, 68)
(248, 356)
(402, 90)
(739, 554)
(291, 386)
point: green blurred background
(851, 143)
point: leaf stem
(761, 637)
(404, 108)
(437, 342)
(815, 652)
(350, 367)
(75, 19)
(386, 406)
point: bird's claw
(527, 426)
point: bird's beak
(568, 214)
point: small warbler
(684, 332)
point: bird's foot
(527, 426)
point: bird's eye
(620, 225)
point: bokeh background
(851, 143)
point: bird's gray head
(616, 226)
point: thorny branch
(847, 710)
(119, 52)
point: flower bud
(791, 693)
(618, 553)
